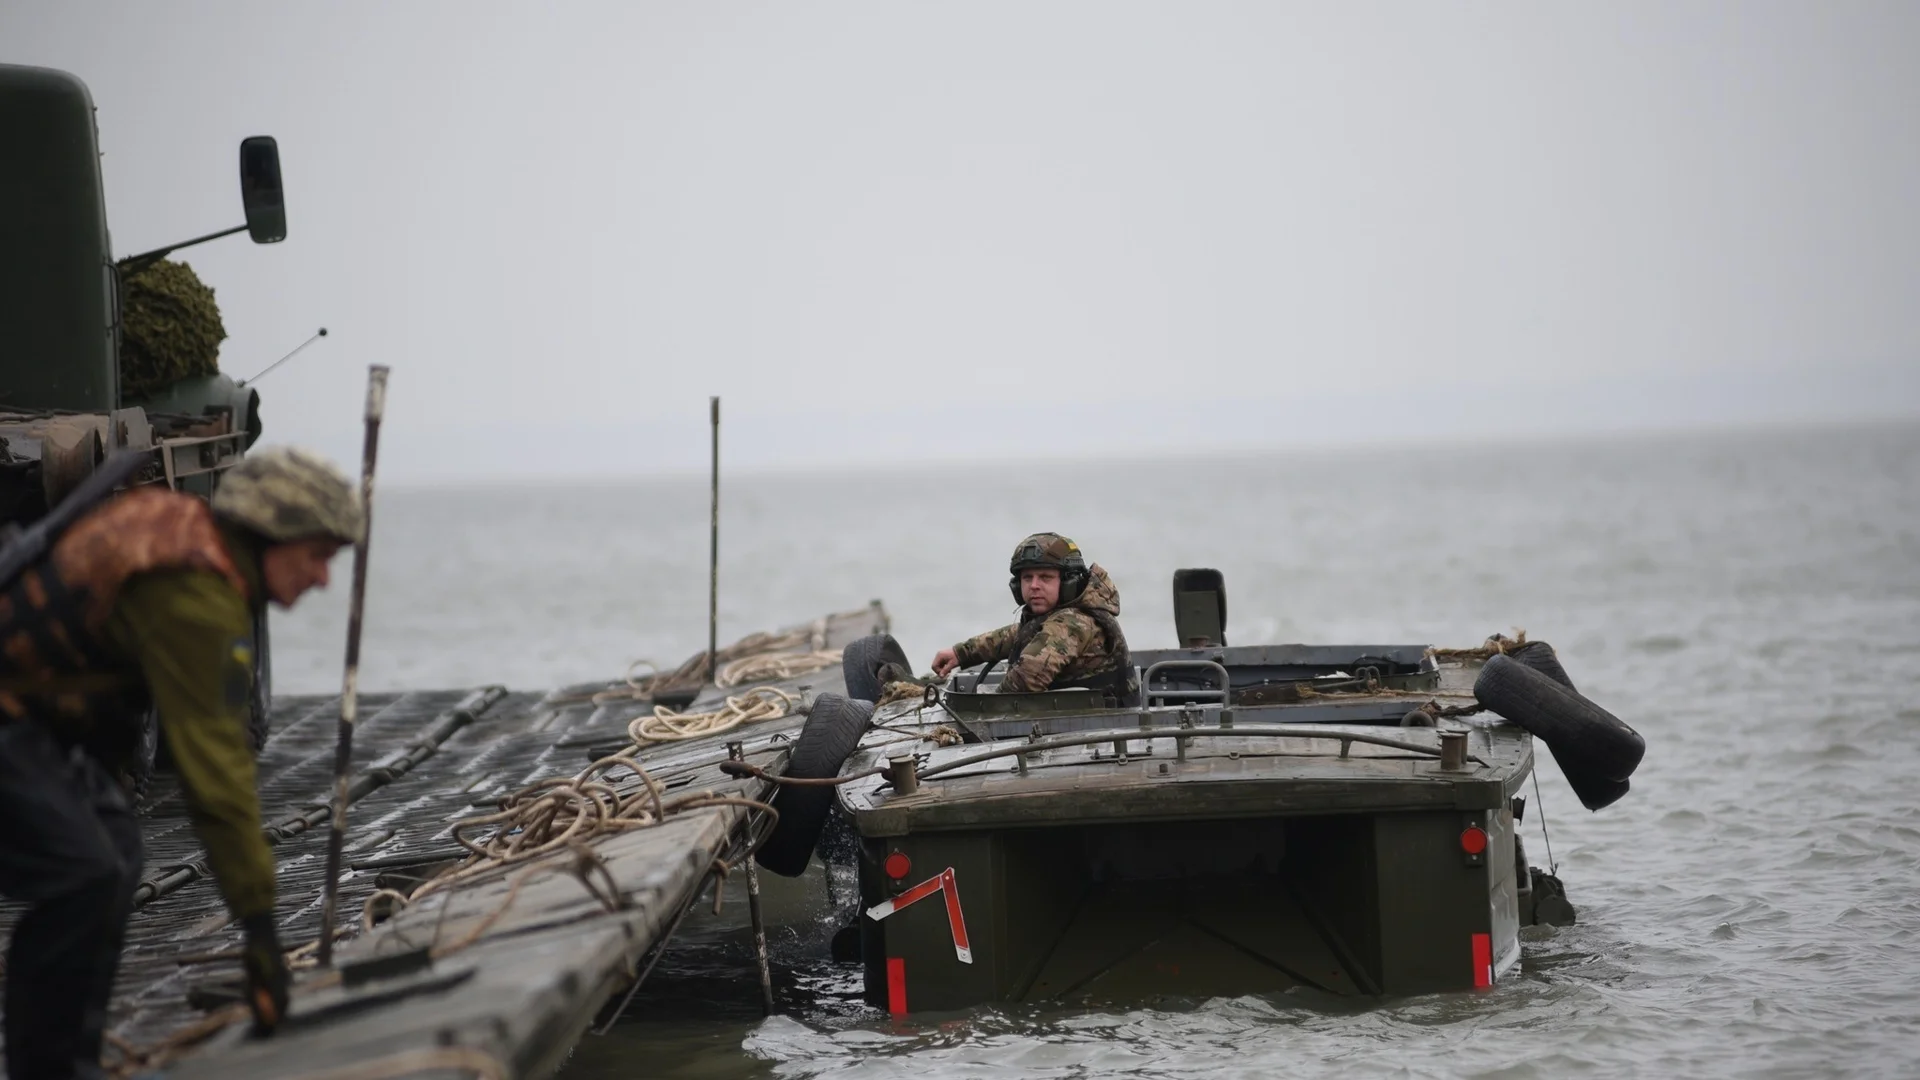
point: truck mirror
(260, 190)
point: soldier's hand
(267, 976)
(944, 661)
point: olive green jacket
(191, 635)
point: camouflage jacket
(1068, 646)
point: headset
(1073, 576)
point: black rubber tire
(1583, 736)
(826, 741)
(1595, 792)
(845, 948)
(862, 660)
(260, 704)
(1540, 656)
(1550, 905)
(1418, 718)
(838, 844)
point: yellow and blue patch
(237, 683)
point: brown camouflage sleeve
(1064, 638)
(993, 643)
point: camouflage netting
(169, 328)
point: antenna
(322, 332)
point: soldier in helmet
(150, 597)
(1069, 630)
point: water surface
(1749, 601)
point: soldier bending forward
(150, 597)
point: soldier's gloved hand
(267, 976)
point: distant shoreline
(1369, 440)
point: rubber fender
(826, 741)
(845, 947)
(861, 663)
(1550, 905)
(1594, 792)
(1540, 656)
(1583, 736)
(838, 844)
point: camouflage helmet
(1049, 551)
(285, 493)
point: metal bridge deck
(513, 1002)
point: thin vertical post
(738, 752)
(350, 680)
(713, 556)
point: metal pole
(713, 558)
(133, 264)
(737, 752)
(350, 681)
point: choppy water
(1750, 602)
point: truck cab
(64, 407)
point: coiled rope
(805, 651)
(693, 670)
(565, 813)
(1496, 645)
(768, 667)
(561, 815)
(752, 707)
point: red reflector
(899, 866)
(1482, 960)
(896, 986)
(1474, 840)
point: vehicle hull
(1188, 849)
(1347, 904)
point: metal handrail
(1130, 734)
(1146, 680)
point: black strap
(1116, 681)
(30, 544)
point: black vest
(56, 666)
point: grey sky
(921, 231)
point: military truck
(64, 407)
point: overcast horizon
(893, 234)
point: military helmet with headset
(1049, 551)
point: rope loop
(669, 725)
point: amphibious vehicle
(1343, 818)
